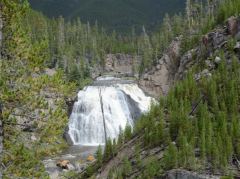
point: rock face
(67, 137)
(159, 79)
(122, 64)
(63, 164)
(233, 26)
(118, 65)
(173, 66)
(183, 174)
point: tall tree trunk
(104, 122)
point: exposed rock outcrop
(184, 174)
(122, 64)
(118, 65)
(159, 79)
(233, 26)
(67, 137)
(171, 67)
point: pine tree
(127, 133)
(114, 147)
(99, 155)
(171, 157)
(127, 168)
(120, 137)
(108, 152)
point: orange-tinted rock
(63, 164)
(90, 158)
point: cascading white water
(122, 103)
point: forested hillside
(33, 101)
(113, 15)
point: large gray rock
(122, 64)
(232, 26)
(158, 80)
(67, 137)
(184, 174)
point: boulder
(197, 77)
(33, 138)
(217, 60)
(50, 72)
(232, 26)
(209, 64)
(205, 73)
(63, 164)
(90, 158)
(67, 137)
(70, 166)
(237, 47)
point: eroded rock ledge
(184, 174)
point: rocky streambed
(75, 158)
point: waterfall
(123, 102)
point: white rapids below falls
(123, 102)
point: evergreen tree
(108, 152)
(128, 133)
(120, 137)
(99, 155)
(171, 157)
(127, 168)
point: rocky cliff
(173, 65)
(122, 64)
(118, 65)
(160, 78)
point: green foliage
(126, 170)
(108, 152)
(153, 169)
(171, 157)
(99, 155)
(127, 133)
(25, 163)
(24, 88)
(227, 9)
(211, 128)
(89, 171)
